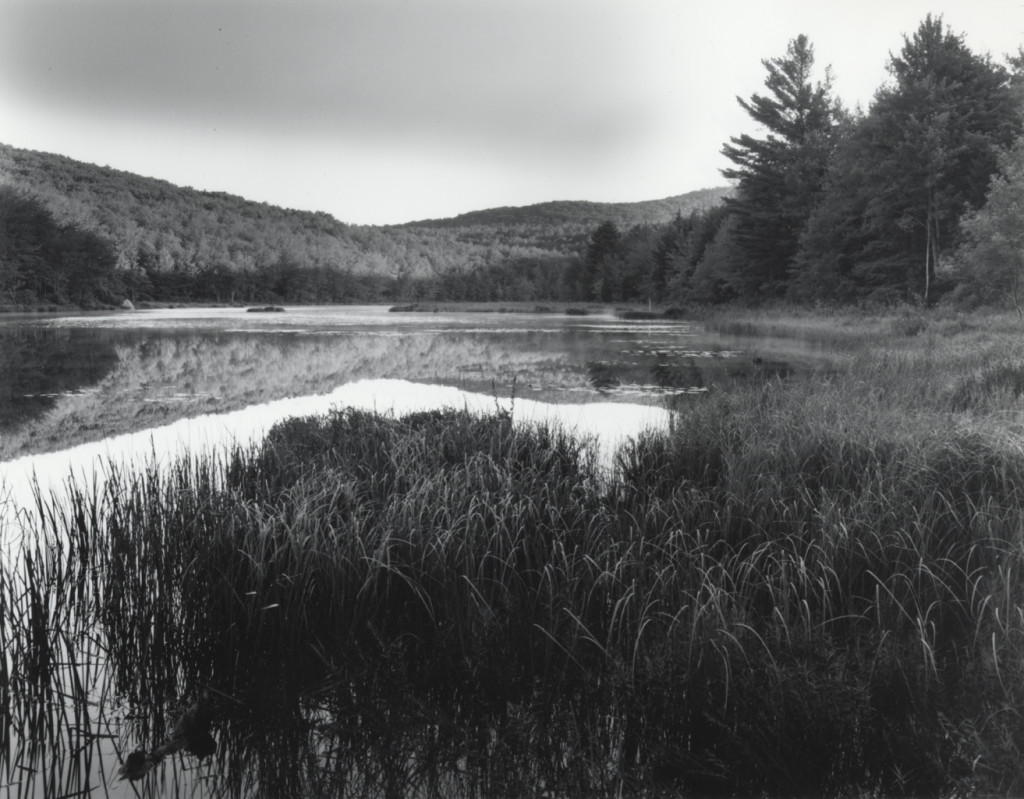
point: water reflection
(40, 365)
(609, 425)
(88, 377)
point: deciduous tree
(992, 253)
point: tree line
(167, 243)
(915, 198)
(45, 260)
(919, 196)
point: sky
(387, 111)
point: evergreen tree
(780, 175)
(919, 159)
(834, 241)
(602, 262)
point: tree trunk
(931, 250)
(927, 255)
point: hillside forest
(915, 199)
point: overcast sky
(384, 111)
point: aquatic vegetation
(779, 596)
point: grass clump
(909, 323)
(998, 383)
(843, 585)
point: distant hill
(173, 240)
(588, 214)
(564, 226)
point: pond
(81, 378)
(102, 396)
(75, 378)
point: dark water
(68, 379)
(39, 365)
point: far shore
(627, 310)
(637, 310)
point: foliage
(992, 254)
(563, 216)
(602, 262)
(835, 206)
(909, 169)
(780, 175)
(42, 259)
(828, 206)
(657, 264)
(178, 244)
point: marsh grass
(51, 675)
(807, 587)
(996, 384)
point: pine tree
(601, 261)
(911, 168)
(780, 175)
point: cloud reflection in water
(609, 424)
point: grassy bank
(809, 587)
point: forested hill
(585, 214)
(158, 230)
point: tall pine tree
(779, 177)
(911, 168)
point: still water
(78, 392)
(68, 379)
